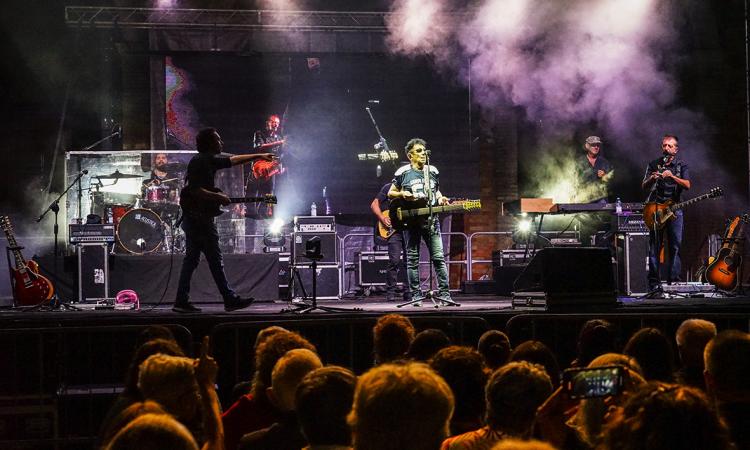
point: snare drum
(141, 231)
(157, 194)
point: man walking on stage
(412, 186)
(200, 231)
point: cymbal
(117, 174)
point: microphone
(378, 171)
(83, 172)
(373, 101)
(117, 130)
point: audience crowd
(423, 392)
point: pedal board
(688, 288)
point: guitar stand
(47, 305)
(305, 308)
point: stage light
(523, 226)
(273, 237)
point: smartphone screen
(593, 382)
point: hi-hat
(117, 174)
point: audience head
(322, 402)
(287, 374)
(692, 337)
(170, 381)
(661, 416)
(494, 346)
(400, 406)
(592, 412)
(152, 347)
(127, 415)
(464, 370)
(597, 337)
(266, 333)
(517, 444)
(153, 432)
(269, 352)
(727, 360)
(538, 353)
(426, 343)
(653, 351)
(513, 393)
(392, 336)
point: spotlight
(524, 226)
(273, 237)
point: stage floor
(489, 307)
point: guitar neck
(435, 209)
(246, 199)
(681, 205)
(17, 256)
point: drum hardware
(116, 175)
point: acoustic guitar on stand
(657, 215)
(722, 269)
(29, 288)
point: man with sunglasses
(412, 187)
(666, 177)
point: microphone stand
(383, 142)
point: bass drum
(140, 231)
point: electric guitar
(722, 271)
(657, 215)
(29, 288)
(401, 216)
(200, 208)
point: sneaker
(444, 298)
(233, 304)
(185, 308)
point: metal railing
(469, 257)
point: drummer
(162, 185)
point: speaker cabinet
(632, 263)
(563, 277)
(327, 281)
(93, 271)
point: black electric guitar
(656, 215)
(722, 270)
(403, 213)
(201, 208)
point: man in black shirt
(408, 186)
(395, 242)
(200, 231)
(666, 177)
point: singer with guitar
(666, 178)
(261, 179)
(411, 186)
(200, 231)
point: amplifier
(284, 270)
(632, 262)
(327, 280)
(373, 269)
(315, 224)
(512, 257)
(328, 247)
(98, 232)
(629, 223)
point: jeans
(201, 236)
(673, 232)
(396, 258)
(431, 237)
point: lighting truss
(165, 18)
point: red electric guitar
(29, 288)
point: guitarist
(408, 186)
(200, 231)
(666, 177)
(395, 243)
(263, 173)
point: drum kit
(144, 224)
